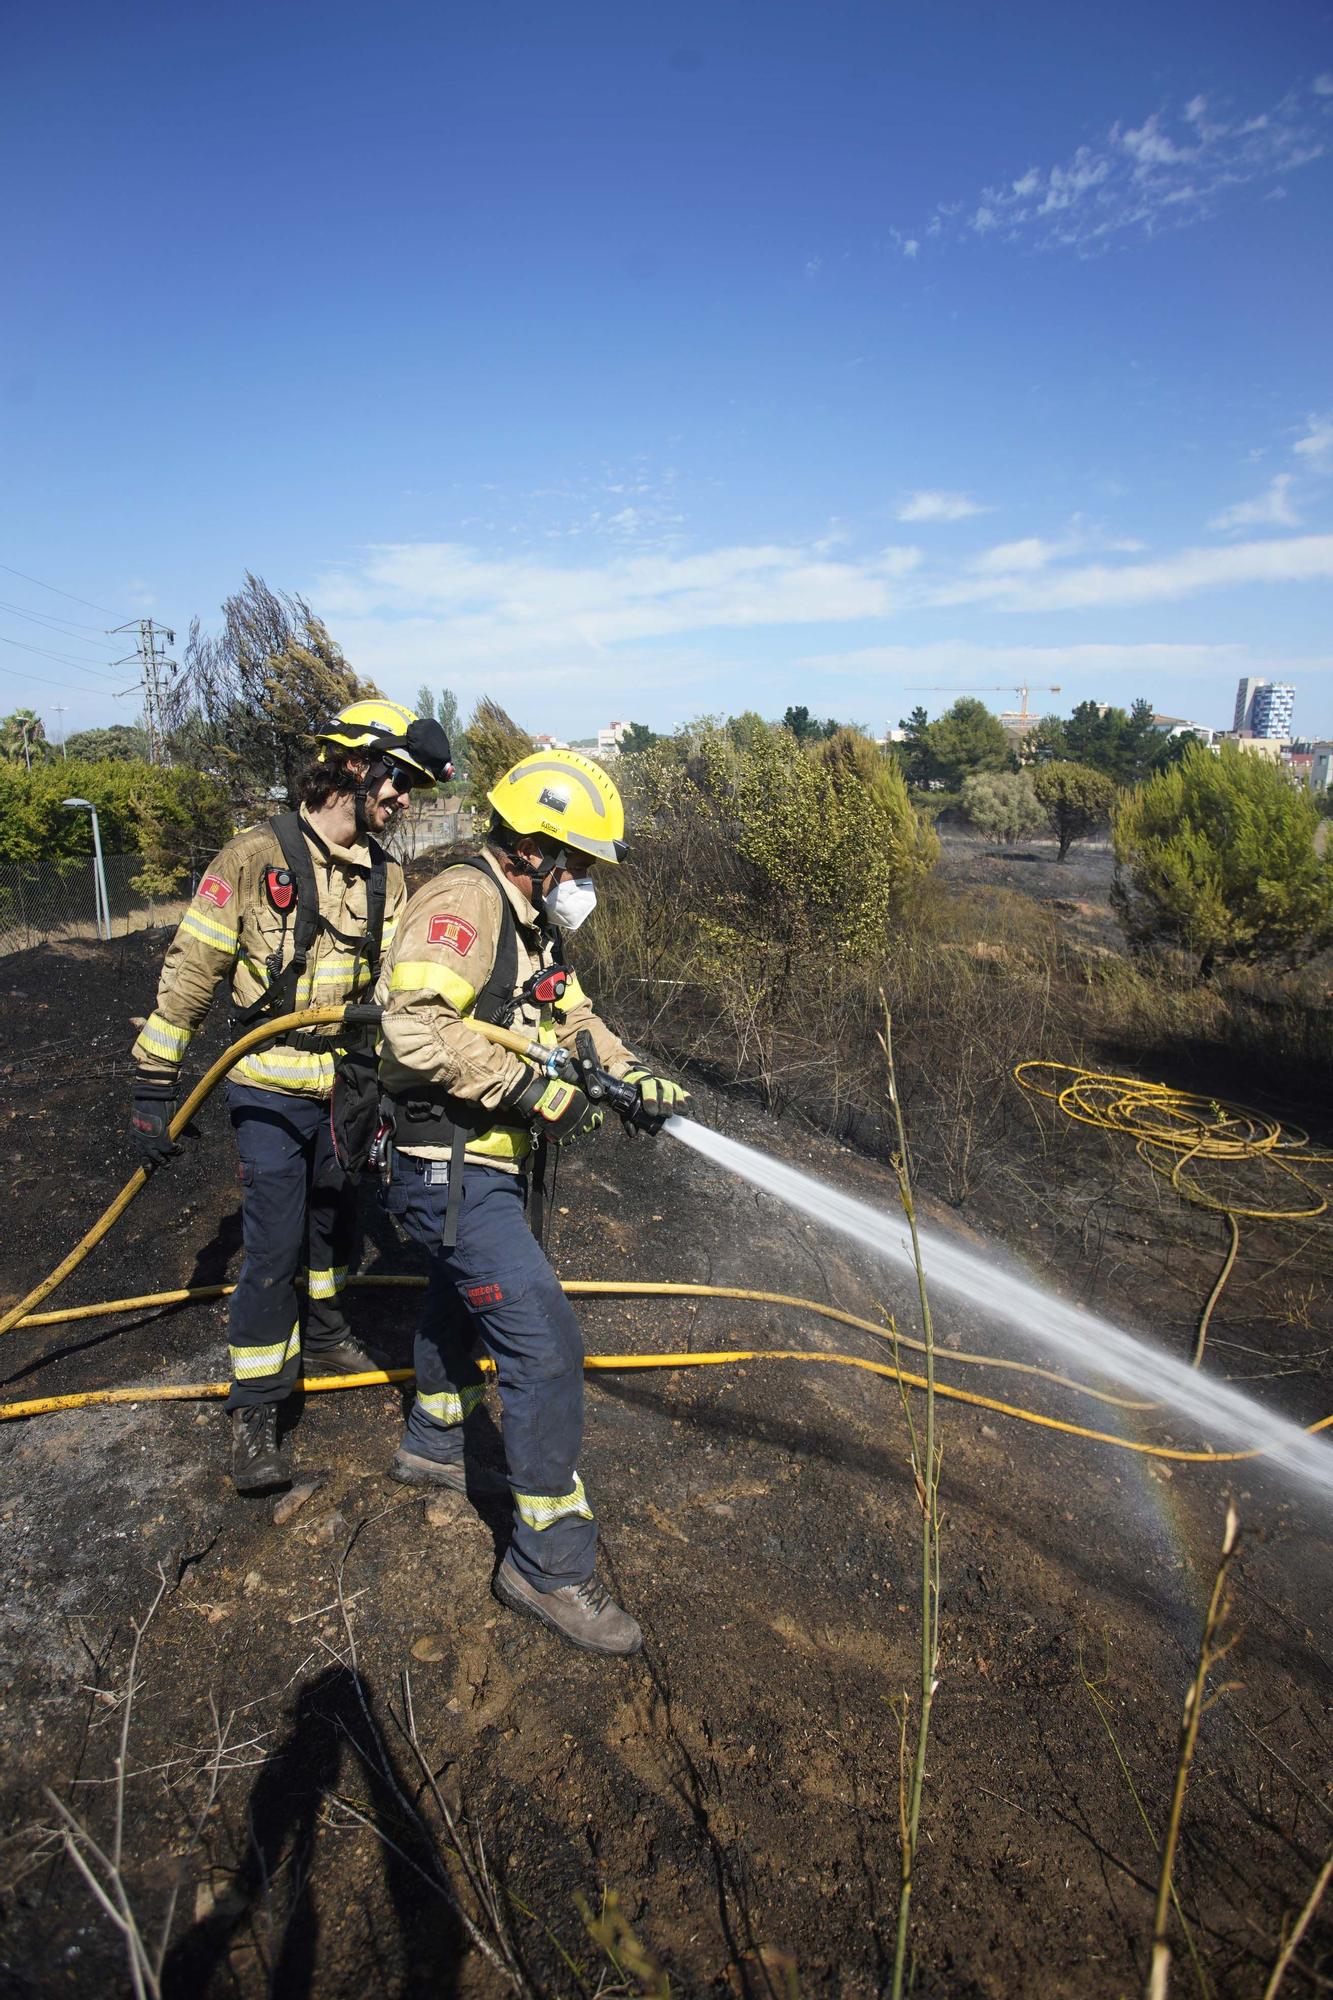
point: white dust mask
(570, 903)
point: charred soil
(735, 1787)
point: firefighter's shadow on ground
(275, 1903)
(214, 1259)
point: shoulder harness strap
(495, 1002)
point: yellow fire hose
(23, 1314)
(1174, 1128)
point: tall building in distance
(1265, 708)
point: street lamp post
(99, 870)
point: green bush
(802, 846)
(1217, 857)
(1002, 804)
(166, 814)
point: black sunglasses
(402, 776)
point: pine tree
(1075, 800)
(1216, 856)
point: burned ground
(735, 1787)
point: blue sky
(644, 362)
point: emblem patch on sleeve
(214, 890)
(456, 932)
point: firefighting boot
(346, 1357)
(585, 1614)
(258, 1464)
(457, 1475)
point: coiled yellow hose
(1171, 1130)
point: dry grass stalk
(611, 1931)
(1210, 1653)
(1285, 1956)
(103, 1872)
(925, 1461)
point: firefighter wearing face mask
(296, 913)
(483, 941)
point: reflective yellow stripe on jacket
(424, 975)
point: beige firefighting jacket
(231, 927)
(442, 956)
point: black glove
(152, 1108)
(559, 1110)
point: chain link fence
(47, 899)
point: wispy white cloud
(1186, 573)
(1158, 174)
(1315, 444)
(935, 506)
(1273, 508)
(1081, 537)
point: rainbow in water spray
(1217, 1410)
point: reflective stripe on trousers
(495, 1290)
(298, 1214)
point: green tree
(1217, 856)
(23, 738)
(425, 702)
(495, 742)
(1002, 804)
(1138, 746)
(1046, 742)
(916, 754)
(967, 738)
(1074, 799)
(807, 728)
(638, 737)
(121, 743)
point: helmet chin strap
(376, 772)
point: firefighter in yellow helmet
(483, 941)
(295, 913)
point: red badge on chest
(215, 890)
(456, 932)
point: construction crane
(1025, 689)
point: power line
(63, 659)
(58, 591)
(40, 680)
(64, 628)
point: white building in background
(609, 740)
(1177, 725)
(1264, 708)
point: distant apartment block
(1264, 708)
(609, 740)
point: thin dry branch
(1159, 1973)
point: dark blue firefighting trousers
(298, 1210)
(495, 1290)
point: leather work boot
(258, 1464)
(458, 1475)
(348, 1357)
(584, 1613)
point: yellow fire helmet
(393, 734)
(566, 800)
